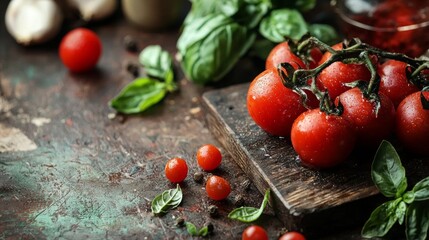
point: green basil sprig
(216, 34)
(210, 46)
(411, 207)
(192, 229)
(157, 62)
(250, 214)
(145, 92)
(168, 199)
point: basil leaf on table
(421, 190)
(139, 95)
(249, 214)
(210, 46)
(204, 231)
(191, 228)
(145, 92)
(156, 62)
(387, 171)
(282, 24)
(167, 200)
(417, 221)
(381, 219)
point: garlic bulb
(94, 9)
(33, 21)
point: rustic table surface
(70, 170)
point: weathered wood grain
(307, 199)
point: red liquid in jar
(392, 25)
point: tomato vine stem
(353, 52)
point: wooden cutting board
(304, 199)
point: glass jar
(392, 25)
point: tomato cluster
(209, 158)
(370, 105)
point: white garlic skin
(94, 10)
(33, 21)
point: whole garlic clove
(94, 9)
(33, 21)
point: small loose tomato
(176, 170)
(371, 128)
(337, 74)
(80, 50)
(217, 188)
(292, 236)
(322, 140)
(412, 124)
(394, 82)
(209, 157)
(271, 105)
(254, 233)
(282, 53)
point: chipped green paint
(79, 198)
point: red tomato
(80, 50)
(370, 128)
(337, 74)
(282, 53)
(271, 105)
(394, 82)
(321, 140)
(412, 124)
(176, 170)
(316, 56)
(217, 188)
(209, 157)
(292, 236)
(254, 233)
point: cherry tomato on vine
(254, 233)
(394, 82)
(209, 157)
(176, 170)
(316, 56)
(271, 105)
(292, 236)
(282, 53)
(217, 188)
(371, 128)
(337, 74)
(80, 50)
(322, 140)
(412, 124)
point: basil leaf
(157, 62)
(199, 29)
(139, 95)
(282, 24)
(191, 228)
(251, 12)
(417, 221)
(202, 8)
(203, 231)
(167, 200)
(421, 190)
(387, 171)
(401, 209)
(211, 46)
(408, 197)
(324, 33)
(249, 214)
(381, 219)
